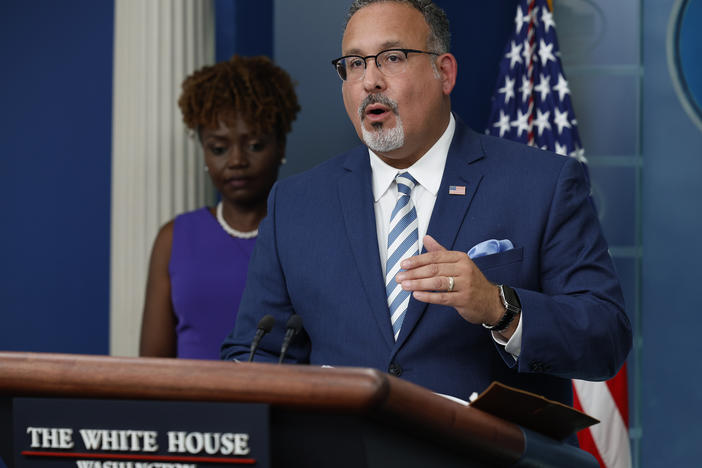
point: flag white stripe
(610, 435)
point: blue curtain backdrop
(55, 144)
(244, 28)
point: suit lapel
(450, 211)
(356, 197)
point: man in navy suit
(538, 303)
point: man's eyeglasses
(389, 62)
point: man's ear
(448, 69)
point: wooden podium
(319, 417)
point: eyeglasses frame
(375, 59)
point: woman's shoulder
(194, 215)
(192, 220)
(196, 227)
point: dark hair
(439, 34)
(252, 87)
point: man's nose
(373, 77)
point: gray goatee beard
(381, 139)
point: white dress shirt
(427, 171)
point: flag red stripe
(618, 387)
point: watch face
(511, 298)
(512, 308)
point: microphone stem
(255, 342)
(286, 342)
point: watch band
(512, 308)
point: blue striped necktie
(403, 242)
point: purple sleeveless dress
(208, 272)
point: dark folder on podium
(535, 412)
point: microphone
(264, 326)
(292, 328)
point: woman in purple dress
(241, 111)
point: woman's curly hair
(252, 87)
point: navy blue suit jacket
(317, 256)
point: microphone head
(295, 323)
(266, 323)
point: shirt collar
(428, 170)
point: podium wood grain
(357, 391)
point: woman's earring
(283, 161)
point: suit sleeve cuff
(514, 345)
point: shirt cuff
(514, 345)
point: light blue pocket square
(489, 247)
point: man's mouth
(376, 112)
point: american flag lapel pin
(457, 189)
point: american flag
(457, 190)
(532, 104)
